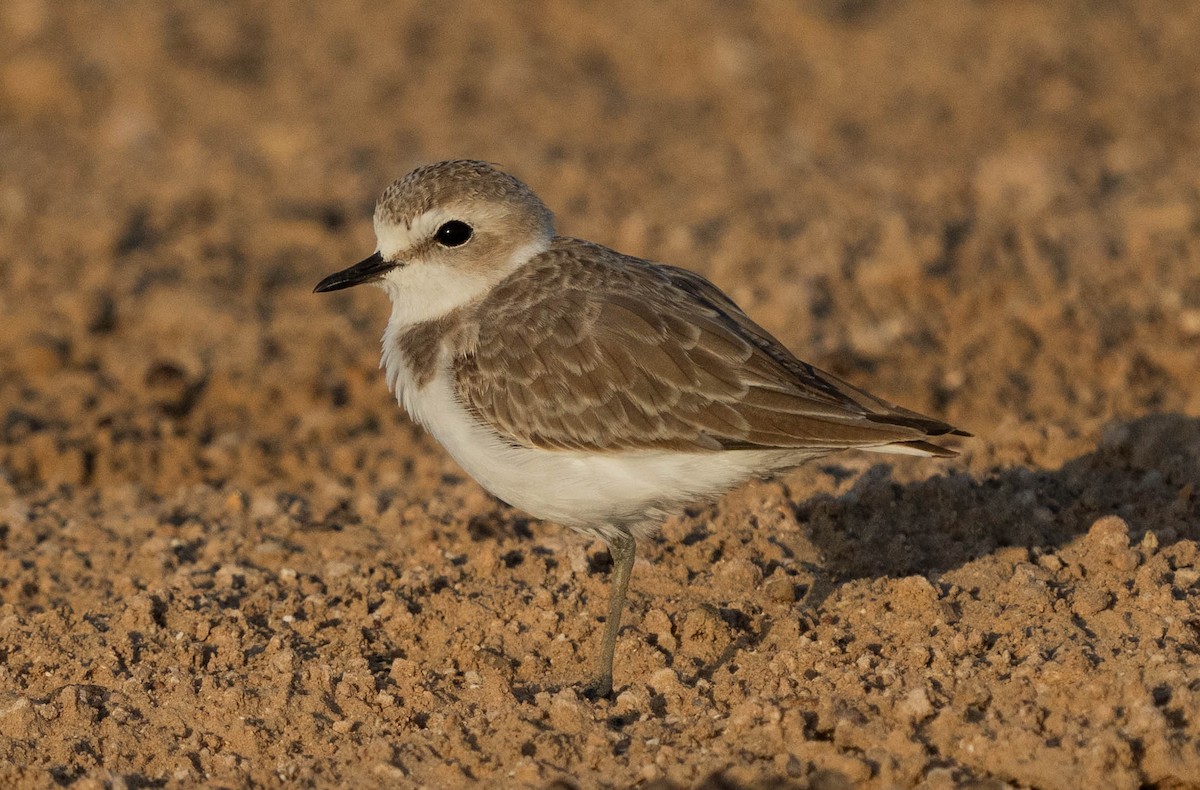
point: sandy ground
(226, 557)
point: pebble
(567, 713)
(916, 705)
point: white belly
(595, 493)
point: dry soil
(227, 558)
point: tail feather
(915, 447)
(911, 419)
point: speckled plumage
(589, 349)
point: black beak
(362, 272)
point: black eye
(453, 233)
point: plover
(587, 387)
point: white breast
(597, 493)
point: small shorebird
(585, 386)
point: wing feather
(592, 350)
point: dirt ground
(227, 558)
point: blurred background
(988, 211)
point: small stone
(567, 714)
(284, 661)
(739, 574)
(941, 779)
(781, 589)
(916, 706)
(664, 680)
(658, 623)
(336, 569)
(1186, 577)
(630, 701)
(17, 716)
(1110, 532)
(40, 356)
(263, 507)
(1189, 323)
(1149, 543)
(1126, 560)
(703, 634)
(1050, 562)
(743, 717)
(1091, 601)
(236, 502)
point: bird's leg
(621, 549)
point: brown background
(227, 557)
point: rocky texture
(226, 557)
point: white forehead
(394, 237)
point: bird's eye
(454, 233)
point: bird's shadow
(1145, 470)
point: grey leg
(621, 550)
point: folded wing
(591, 350)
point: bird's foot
(599, 687)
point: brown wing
(587, 349)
